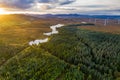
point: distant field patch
(110, 29)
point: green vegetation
(34, 63)
(16, 31)
(97, 54)
(73, 54)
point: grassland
(75, 53)
(16, 31)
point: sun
(2, 11)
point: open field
(16, 31)
(110, 28)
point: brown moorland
(109, 28)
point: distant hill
(78, 16)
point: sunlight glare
(2, 11)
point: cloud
(64, 2)
(42, 5)
(103, 12)
(93, 6)
(26, 4)
(63, 6)
(20, 4)
(61, 2)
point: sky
(96, 7)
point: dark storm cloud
(25, 4)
